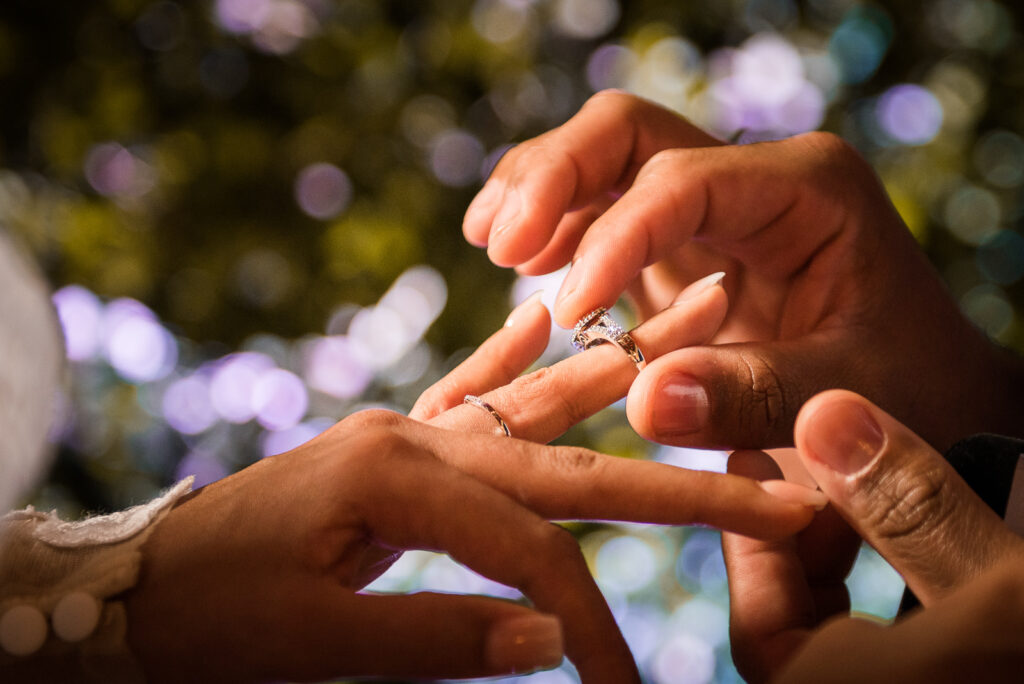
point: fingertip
(524, 644)
(839, 430)
(667, 403)
(476, 224)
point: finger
(544, 404)
(557, 252)
(595, 152)
(771, 605)
(900, 494)
(732, 396)
(496, 362)
(570, 483)
(492, 534)
(707, 193)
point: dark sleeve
(987, 463)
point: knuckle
(763, 404)
(544, 387)
(371, 418)
(916, 506)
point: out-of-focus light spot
(909, 114)
(263, 277)
(424, 117)
(972, 214)
(279, 399)
(500, 21)
(383, 334)
(610, 66)
(643, 627)
(204, 466)
(978, 24)
(684, 659)
(699, 562)
(242, 16)
(224, 72)
(409, 368)
(999, 156)
(668, 71)
(323, 190)
(693, 459)
(186, 405)
(275, 26)
(990, 309)
(161, 26)
(455, 158)
(114, 171)
(875, 587)
(762, 87)
(279, 441)
(961, 90)
(491, 160)
(136, 345)
(585, 19)
(860, 42)
(81, 314)
(701, 618)
(233, 383)
(1001, 257)
(332, 367)
(626, 564)
(442, 574)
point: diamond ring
(598, 327)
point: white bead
(22, 630)
(75, 616)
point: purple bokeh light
(233, 383)
(332, 367)
(135, 344)
(81, 314)
(909, 114)
(323, 191)
(187, 407)
(279, 399)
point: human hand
(828, 287)
(902, 497)
(257, 576)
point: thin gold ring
(480, 403)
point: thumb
(729, 396)
(900, 494)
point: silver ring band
(598, 327)
(480, 403)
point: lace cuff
(56, 622)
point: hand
(901, 496)
(257, 576)
(828, 287)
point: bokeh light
(323, 190)
(910, 114)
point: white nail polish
(699, 287)
(535, 297)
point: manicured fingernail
(508, 212)
(844, 437)
(681, 406)
(570, 283)
(525, 304)
(524, 644)
(482, 206)
(699, 287)
(795, 493)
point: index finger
(598, 151)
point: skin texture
(901, 496)
(257, 576)
(828, 288)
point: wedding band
(480, 403)
(598, 327)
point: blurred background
(250, 210)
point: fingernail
(570, 283)
(483, 203)
(699, 287)
(795, 493)
(844, 437)
(681, 406)
(525, 643)
(526, 303)
(508, 212)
